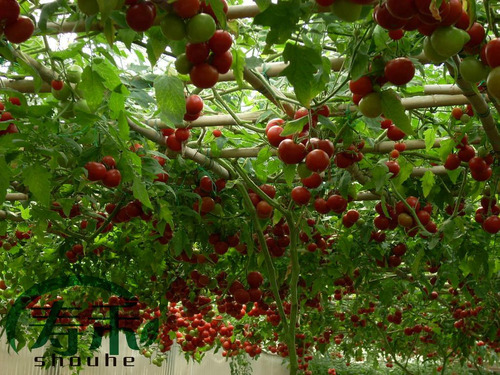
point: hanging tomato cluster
(17, 29)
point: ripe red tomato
(399, 250)
(194, 104)
(457, 113)
(206, 183)
(109, 162)
(492, 224)
(112, 178)
(322, 144)
(173, 143)
(273, 135)
(361, 86)
(403, 9)
(264, 210)
(207, 205)
(204, 76)
(452, 162)
(396, 34)
(96, 171)
(466, 153)
(301, 195)
(394, 167)
(270, 190)
(222, 62)
(321, 206)
(317, 160)
(400, 146)
(492, 52)
(290, 152)
(220, 42)
(386, 20)
(9, 11)
(197, 53)
(313, 181)
(477, 35)
(255, 279)
(182, 134)
(424, 217)
(454, 13)
(394, 154)
(399, 71)
(186, 8)
(394, 133)
(216, 133)
(57, 85)
(19, 31)
(337, 203)
(140, 17)
(381, 222)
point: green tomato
(74, 74)
(88, 7)
(147, 354)
(431, 53)
(182, 64)
(448, 41)
(200, 28)
(493, 83)
(62, 94)
(473, 70)
(346, 10)
(173, 27)
(371, 105)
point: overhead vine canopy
(314, 179)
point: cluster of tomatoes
(17, 28)
(7, 116)
(207, 52)
(488, 215)
(104, 171)
(401, 215)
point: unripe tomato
(371, 105)
(173, 27)
(200, 28)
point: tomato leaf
(393, 109)
(238, 65)
(290, 172)
(38, 179)
(4, 178)
(282, 18)
(140, 192)
(92, 87)
(218, 9)
(430, 137)
(170, 98)
(428, 182)
(294, 126)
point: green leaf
(430, 137)
(282, 18)
(290, 171)
(4, 178)
(380, 176)
(393, 109)
(445, 148)
(38, 179)
(92, 87)
(415, 265)
(48, 10)
(428, 182)
(140, 192)
(307, 72)
(156, 44)
(238, 65)
(218, 9)
(294, 126)
(170, 98)
(106, 7)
